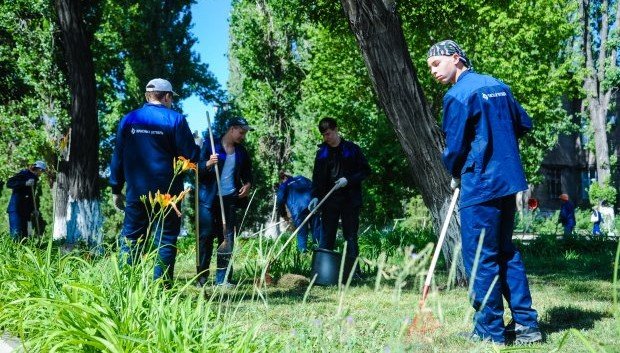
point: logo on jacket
(493, 95)
(133, 131)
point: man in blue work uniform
(294, 193)
(235, 169)
(340, 163)
(147, 141)
(567, 215)
(482, 122)
(21, 205)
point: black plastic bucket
(326, 266)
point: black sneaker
(523, 334)
(474, 337)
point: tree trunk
(598, 96)
(82, 168)
(61, 197)
(379, 34)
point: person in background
(609, 219)
(596, 218)
(147, 142)
(483, 122)
(294, 193)
(567, 215)
(22, 203)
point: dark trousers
(332, 212)
(134, 239)
(211, 229)
(18, 225)
(498, 257)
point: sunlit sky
(210, 18)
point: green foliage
(521, 42)
(598, 193)
(34, 95)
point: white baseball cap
(41, 165)
(159, 85)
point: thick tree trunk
(82, 168)
(598, 96)
(379, 34)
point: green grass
(80, 304)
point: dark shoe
(473, 337)
(523, 334)
(201, 282)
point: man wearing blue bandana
(482, 122)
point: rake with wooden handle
(420, 322)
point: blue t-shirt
(228, 175)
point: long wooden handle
(217, 177)
(442, 235)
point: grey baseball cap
(159, 85)
(41, 165)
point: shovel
(224, 247)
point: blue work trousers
(498, 257)
(315, 226)
(134, 239)
(211, 229)
(18, 226)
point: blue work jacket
(353, 166)
(21, 198)
(147, 141)
(296, 193)
(567, 214)
(208, 182)
(482, 122)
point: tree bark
(82, 168)
(598, 97)
(379, 35)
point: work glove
(342, 182)
(29, 182)
(313, 203)
(119, 201)
(455, 183)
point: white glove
(455, 183)
(342, 182)
(313, 203)
(29, 182)
(119, 201)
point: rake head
(424, 322)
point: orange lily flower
(182, 164)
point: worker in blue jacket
(22, 203)
(567, 215)
(339, 163)
(147, 141)
(294, 193)
(482, 122)
(235, 167)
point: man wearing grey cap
(482, 122)
(22, 203)
(147, 141)
(235, 167)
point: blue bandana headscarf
(447, 48)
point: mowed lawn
(572, 291)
